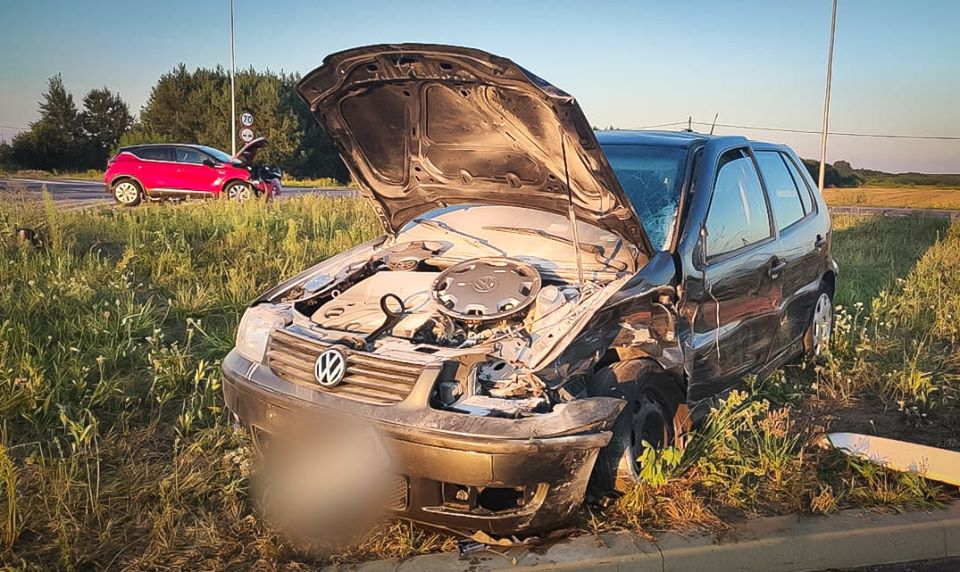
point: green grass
(321, 182)
(110, 341)
(872, 253)
(115, 450)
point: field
(115, 450)
(913, 197)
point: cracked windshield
(650, 175)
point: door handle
(776, 267)
(820, 242)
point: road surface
(74, 194)
(894, 211)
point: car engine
(469, 302)
(498, 313)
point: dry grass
(905, 197)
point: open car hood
(248, 153)
(426, 126)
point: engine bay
(494, 299)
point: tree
(105, 118)
(57, 109)
(830, 176)
(6, 154)
(315, 155)
(194, 107)
(53, 141)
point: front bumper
(477, 480)
(270, 188)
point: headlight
(255, 327)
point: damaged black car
(545, 299)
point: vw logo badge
(485, 283)
(330, 367)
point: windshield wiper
(469, 237)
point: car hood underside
(422, 127)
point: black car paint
(733, 307)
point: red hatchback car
(180, 171)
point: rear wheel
(128, 193)
(816, 340)
(653, 398)
(239, 191)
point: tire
(127, 192)
(653, 399)
(238, 191)
(816, 339)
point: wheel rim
(238, 192)
(126, 192)
(822, 324)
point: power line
(842, 133)
(810, 131)
(661, 125)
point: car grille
(368, 378)
(397, 495)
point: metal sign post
(233, 93)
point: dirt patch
(874, 418)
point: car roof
(672, 138)
(148, 145)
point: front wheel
(239, 191)
(128, 193)
(653, 398)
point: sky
(629, 63)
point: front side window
(650, 176)
(155, 153)
(781, 189)
(187, 155)
(217, 154)
(738, 214)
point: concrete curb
(787, 544)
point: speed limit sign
(246, 134)
(246, 119)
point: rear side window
(805, 192)
(782, 189)
(187, 155)
(154, 153)
(738, 214)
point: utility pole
(826, 97)
(233, 96)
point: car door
(732, 287)
(156, 168)
(192, 175)
(800, 244)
